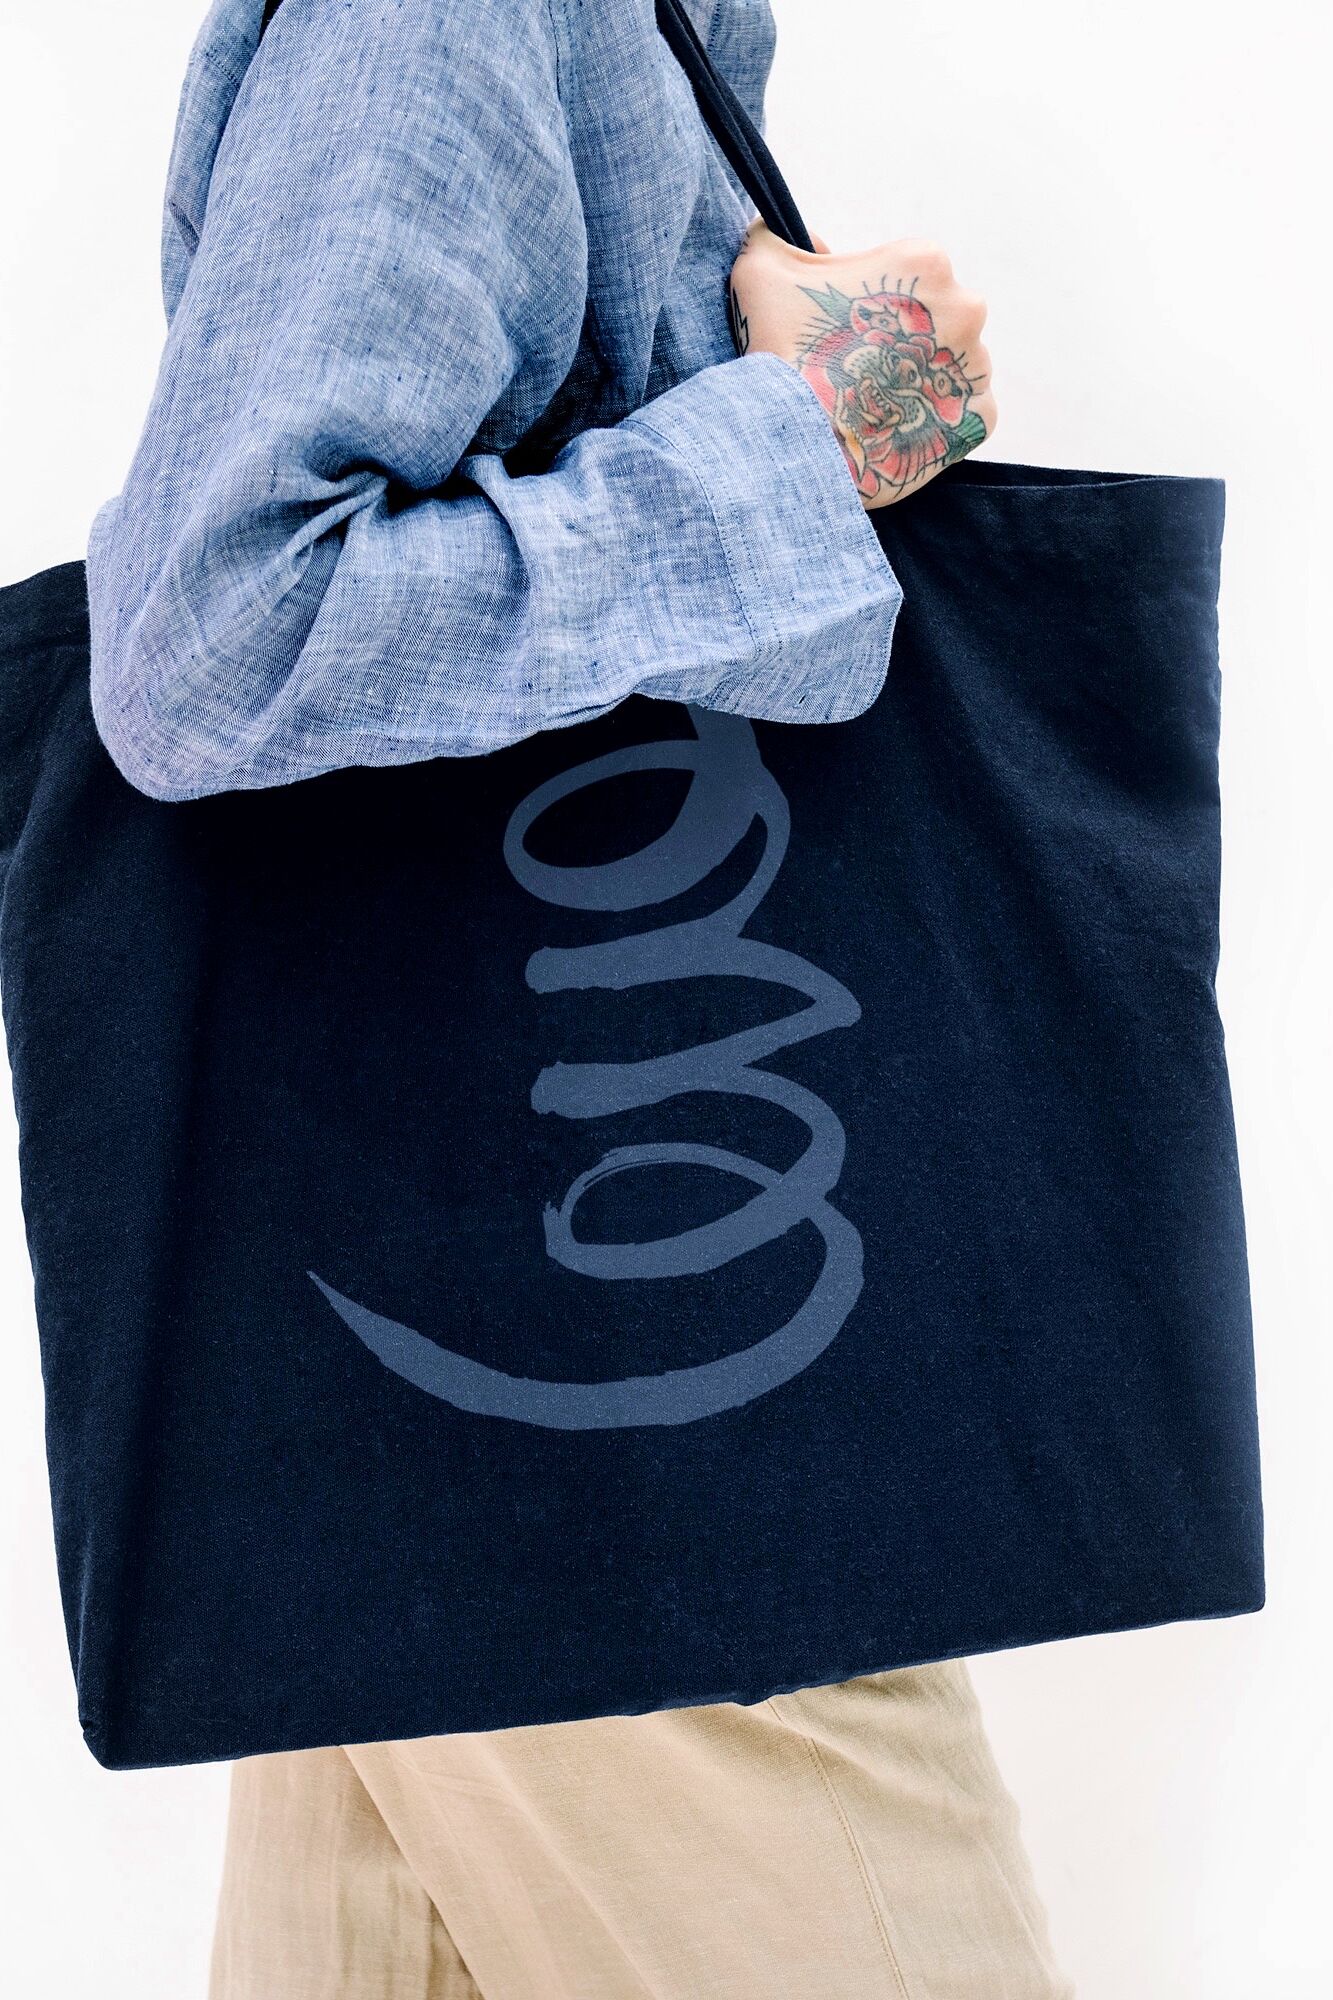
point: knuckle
(922, 255)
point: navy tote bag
(675, 1210)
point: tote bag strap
(738, 137)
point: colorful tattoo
(899, 401)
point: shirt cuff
(814, 585)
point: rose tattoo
(899, 400)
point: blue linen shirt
(449, 442)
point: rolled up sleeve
(312, 564)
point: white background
(1134, 188)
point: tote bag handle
(738, 137)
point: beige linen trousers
(849, 1842)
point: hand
(889, 343)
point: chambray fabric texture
(450, 443)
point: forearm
(313, 565)
(667, 555)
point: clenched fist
(888, 341)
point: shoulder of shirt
(223, 53)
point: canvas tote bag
(675, 1210)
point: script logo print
(730, 788)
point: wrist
(819, 387)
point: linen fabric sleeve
(316, 562)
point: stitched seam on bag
(881, 1927)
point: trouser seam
(872, 1899)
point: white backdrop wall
(1135, 188)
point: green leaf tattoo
(969, 433)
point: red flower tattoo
(899, 400)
